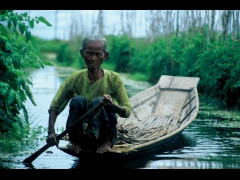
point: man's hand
(107, 100)
(52, 139)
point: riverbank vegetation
(15, 82)
(203, 45)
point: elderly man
(86, 88)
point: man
(86, 88)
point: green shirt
(78, 84)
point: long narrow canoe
(159, 115)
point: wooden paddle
(44, 148)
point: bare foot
(103, 148)
(73, 147)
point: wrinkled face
(94, 55)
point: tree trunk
(212, 24)
(193, 22)
(152, 26)
(122, 21)
(93, 30)
(100, 23)
(56, 22)
(225, 23)
(82, 27)
(177, 28)
(237, 24)
(238, 29)
(170, 22)
(199, 20)
(218, 25)
(186, 21)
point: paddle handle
(86, 115)
(44, 148)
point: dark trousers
(106, 122)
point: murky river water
(200, 146)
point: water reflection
(206, 149)
(200, 146)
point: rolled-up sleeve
(62, 97)
(122, 96)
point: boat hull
(92, 154)
(166, 109)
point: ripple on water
(201, 146)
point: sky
(111, 22)
(85, 20)
(47, 32)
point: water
(200, 146)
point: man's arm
(52, 137)
(121, 97)
(107, 101)
(118, 109)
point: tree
(15, 56)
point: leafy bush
(215, 61)
(15, 56)
(218, 67)
(20, 138)
(120, 52)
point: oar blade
(31, 158)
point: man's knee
(97, 100)
(78, 98)
(78, 101)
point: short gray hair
(89, 39)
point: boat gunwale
(146, 145)
(181, 128)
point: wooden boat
(159, 115)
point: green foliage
(215, 61)
(65, 55)
(109, 66)
(68, 53)
(49, 46)
(139, 77)
(201, 53)
(15, 56)
(17, 22)
(21, 138)
(120, 48)
(218, 67)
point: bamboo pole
(177, 28)
(170, 22)
(199, 20)
(237, 23)
(81, 26)
(56, 22)
(212, 24)
(187, 20)
(146, 24)
(238, 29)
(225, 23)
(167, 23)
(100, 23)
(122, 21)
(160, 22)
(218, 26)
(193, 23)
(157, 26)
(129, 27)
(93, 28)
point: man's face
(94, 55)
